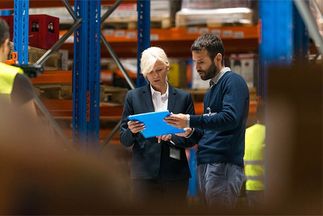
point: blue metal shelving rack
(143, 8)
(86, 68)
(86, 74)
(283, 36)
(21, 29)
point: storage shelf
(60, 77)
(6, 4)
(177, 41)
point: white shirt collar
(154, 92)
(160, 101)
(220, 74)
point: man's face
(4, 50)
(204, 65)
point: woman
(159, 169)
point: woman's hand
(166, 138)
(135, 126)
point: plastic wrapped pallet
(214, 4)
(214, 13)
(317, 10)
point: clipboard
(155, 124)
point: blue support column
(143, 8)
(86, 74)
(21, 30)
(300, 35)
(193, 184)
(283, 36)
(5, 12)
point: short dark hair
(4, 31)
(212, 43)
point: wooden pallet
(213, 20)
(54, 62)
(155, 22)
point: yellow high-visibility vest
(254, 157)
(7, 77)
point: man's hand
(135, 126)
(187, 132)
(178, 120)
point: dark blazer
(150, 159)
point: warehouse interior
(83, 56)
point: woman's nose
(154, 73)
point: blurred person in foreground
(14, 86)
(38, 178)
(254, 160)
(160, 170)
(220, 131)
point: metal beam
(69, 9)
(117, 61)
(110, 11)
(51, 120)
(110, 136)
(59, 43)
(310, 23)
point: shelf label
(120, 33)
(131, 34)
(238, 34)
(217, 32)
(227, 34)
(154, 37)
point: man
(14, 86)
(220, 131)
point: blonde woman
(159, 169)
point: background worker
(159, 169)
(254, 160)
(14, 86)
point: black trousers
(170, 193)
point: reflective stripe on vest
(255, 178)
(7, 77)
(253, 162)
(254, 150)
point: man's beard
(209, 73)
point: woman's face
(4, 50)
(158, 76)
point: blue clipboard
(155, 124)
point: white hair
(149, 57)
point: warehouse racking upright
(86, 70)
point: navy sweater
(220, 131)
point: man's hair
(4, 31)
(149, 57)
(212, 43)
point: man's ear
(219, 57)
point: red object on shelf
(43, 30)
